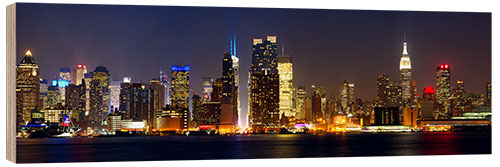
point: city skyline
(318, 46)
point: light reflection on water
(251, 146)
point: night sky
(328, 46)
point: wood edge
(11, 82)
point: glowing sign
(180, 68)
(60, 83)
(66, 121)
(429, 90)
(54, 82)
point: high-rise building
(217, 90)
(44, 88)
(52, 97)
(142, 104)
(318, 102)
(347, 96)
(405, 75)
(229, 90)
(383, 90)
(395, 98)
(75, 101)
(78, 74)
(387, 116)
(27, 88)
(104, 76)
(285, 71)
(165, 81)
(488, 94)
(457, 100)
(197, 101)
(264, 85)
(443, 89)
(236, 69)
(308, 116)
(427, 104)
(179, 92)
(159, 94)
(207, 83)
(114, 95)
(96, 100)
(125, 88)
(300, 106)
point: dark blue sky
(328, 46)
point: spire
(405, 50)
(28, 53)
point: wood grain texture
(11, 82)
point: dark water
(252, 146)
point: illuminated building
(104, 76)
(216, 95)
(96, 109)
(229, 90)
(179, 91)
(443, 89)
(383, 90)
(27, 89)
(264, 86)
(285, 71)
(207, 82)
(55, 113)
(405, 76)
(300, 106)
(488, 94)
(64, 78)
(75, 100)
(427, 104)
(413, 97)
(346, 96)
(197, 100)
(165, 81)
(236, 69)
(209, 113)
(457, 101)
(87, 79)
(125, 89)
(114, 95)
(114, 121)
(172, 119)
(410, 117)
(142, 104)
(52, 97)
(318, 101)
(395, 99)
(387, 116)
(44, 90)
(159, 94)
(78, 74)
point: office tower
(96, 100)
(197, 101)
(318, 102)
(410, 117)
(413, 97)
(78, 74)
(65, 74)
(114, 95)
(44, 88)
(264, 85)
(488, 94)
(52, 97)
(207, 83)
(125, 88)
(427, 104)
(172, 119)
(443, 89)
(179, 92)
(159, 94)
(308, 115)
(300, 106)
(457, 101)
(27, 89)
(142, 104)
(216, 95)
(383, 90)
(236, 69)
(405, 75)
(104, 76)
(165, 81)
(229, 90)
(87, 79)
(395, 98)
(285, 71)
(346, 96)
(75, 101)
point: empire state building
(405, 74)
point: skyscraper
(346, 96)
(443, 89)
(75, 100)
(285, 71)
(104, 76)
(300, 106)
(264, 85)
(142, 104)
(165, 81)
(159, 94)
(405, 75)
(217, 90)
(236, 69)
(179, 91)
(27, 88)
(125, 89)
(96, 110)
(383, 90)
(114, 95)
(78, 74)
(318, 102)
(229, 90)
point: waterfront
(152, 148)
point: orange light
(28, 53)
